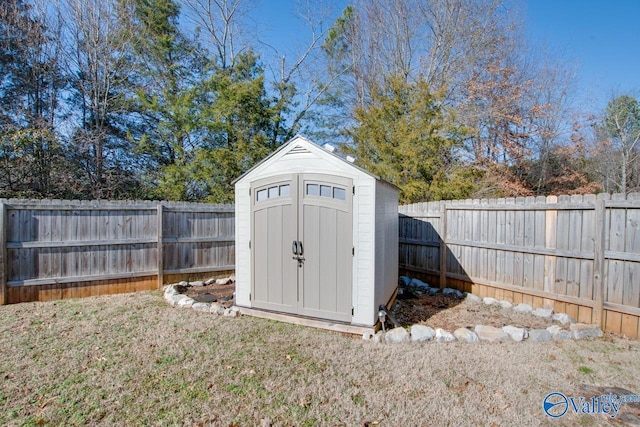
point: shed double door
(301, 245)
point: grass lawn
(133, 360)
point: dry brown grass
(133, 360)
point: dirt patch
(450, 313)
(222, 294)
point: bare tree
(618, 151)
(96, 46)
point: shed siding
(386, 270)
(243, 235)
(364, 248)
(367, 228)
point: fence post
(597, 316)
(3, 254)
(160, 251)
(443, 245)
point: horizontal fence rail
(576, 254)
(52, 249)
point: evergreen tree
(405, 138)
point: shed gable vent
(298, 149)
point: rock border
(482, 333)
(176, 299)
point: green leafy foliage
(405, 137)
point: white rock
(545, 313)
(216, 309)
(563, 318)
(175, 299)
(184, 283)
(489, 300)
(185, 302)
(201, 306)
(505, 304)
(515, 333)
(433, 291)
(539, 335)
(223, 281)
(523, 308)
(583, 330)
(367, 336)
(559, 334)
(491, 334)
(419, 284)
(421, 333)
(197, 283)
(396, 336)
(232, 278)
(170, 291)
(464, 334)
(444, 336)
(473, 298)
(231, 312)
(379, 336)
(210, 281)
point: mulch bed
(222, 294)
(450, 313)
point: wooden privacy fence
(576, 254)
(52, 249)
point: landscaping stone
(539, 335)
(210, 281)
(174, 299)
(232, 278)
(444, 336)
(563, 318)
(473, 298)
(433, 291)
(170, 290)
(523, 308)
(404, 280)
(545, 313)
(515, 333)
(224, 281)
(583, 330)
(421, 333)
(197, 283)
(396, 336)
(183, 283)
(185, 302)
(464, 334)
(367, 336)
(379, 336)
(559, 334)
(216, 309)
(201, 306)
(491, 334)
(505, 304)
(231, 312)
(489, 300)
(419, 284)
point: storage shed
(316, 236)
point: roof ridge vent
(330, 148)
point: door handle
(301, 253)
(294, 249)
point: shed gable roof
(300, 144)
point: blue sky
(599, 39)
